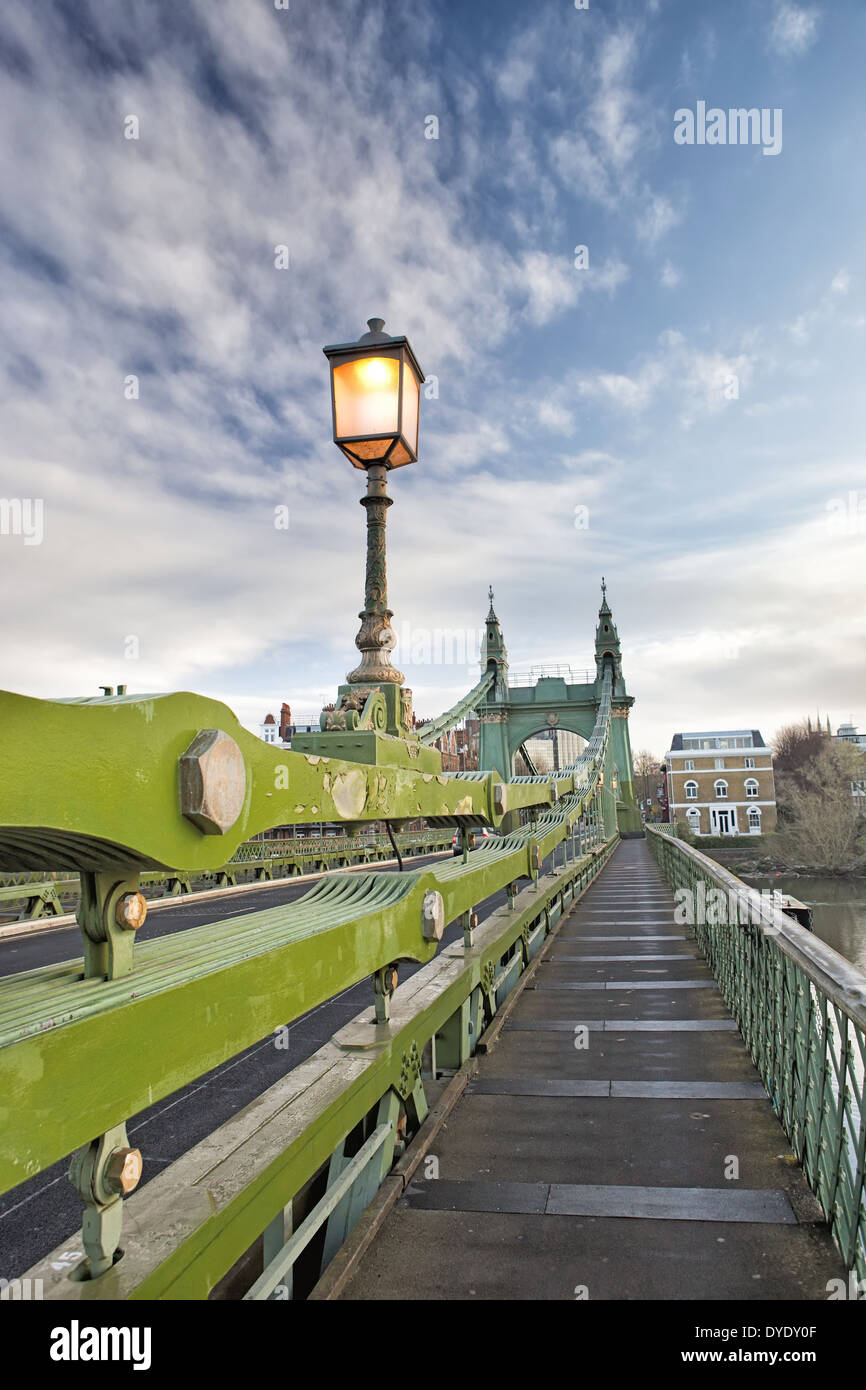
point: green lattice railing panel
(801, 1008)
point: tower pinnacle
(493, 644)
(607, 646)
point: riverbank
(770, 861)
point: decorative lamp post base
(371, 724)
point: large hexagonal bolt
(123, 1171)
(500, 799)
(131, 911)
(432, 916)
(213, 782)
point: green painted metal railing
(801, 1008)
(85, 1045)
(40, 895)
(245, 1179)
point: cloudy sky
(679, 408)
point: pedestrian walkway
(616, 1143)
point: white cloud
(609, 276)
(685, 377)
(794, 28)
(670, 276)
(552, 284)
(657, 216)
(555, 417)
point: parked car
(478, 835)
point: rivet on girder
(432, 915)
(123, 1171)
(213, 782)
(131, 911)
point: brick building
(721, 783)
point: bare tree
(822, 826)
(647, 771)
(796, 745)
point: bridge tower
(608, 652)
(494, 752)
(607, 647)
(511, 714)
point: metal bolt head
(213, 782)
(131, 911)
(432, 915)
(500, 799)
(123, 1170)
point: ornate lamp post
(375, 397)
(375, 390)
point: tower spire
(607, 646)
(493, 644)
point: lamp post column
(376, 639)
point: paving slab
(630, 1055)
(443, 1255)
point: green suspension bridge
(570, 1078)
(569, 1036)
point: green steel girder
(216, 1199)
(156, 782)
(112, 797)
(202, 996)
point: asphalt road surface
(44, 1211)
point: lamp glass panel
(366, 397)
(410, 408)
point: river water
(838, 909)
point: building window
(750, 762)
(721, 789)
(691, 791)
(693, 816)
(754, 821)
(720, 764)
(690, 764)
(751, 787)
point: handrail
(801, 1008)
(830, 972)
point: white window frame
(721, 795)
(720, 764)
(753, 791)
(693, 816)
(691, 791)
(753, 820)
(689, 765)
(750, 762)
